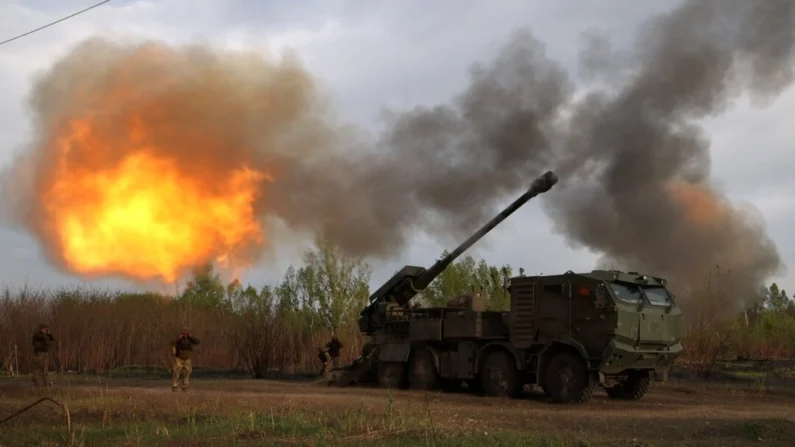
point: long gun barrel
(411, 280)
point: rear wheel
(390, 374)
(567, 380)
(499, 376)
(633, 388)
(422, 370)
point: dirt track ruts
(674, 414)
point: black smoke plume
(634, 162)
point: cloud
(399, 55)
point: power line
(53, 23)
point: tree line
(280, 326)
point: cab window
(658, 296)
(626, 294)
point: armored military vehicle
(566, 333)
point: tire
(567, 380)
(499, 376)
(391, 374)
(422, 370)
(635, 387)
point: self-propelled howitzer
(601, 329)
(410, 280)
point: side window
(588, 292)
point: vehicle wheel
(390, 374)
(633, 388)
(499, 376)
(422, 370)
(566, 379)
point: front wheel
(391, 374)
(422, 370)
(499, 376)
(566, 379)
(633, 388)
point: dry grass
(126, 412)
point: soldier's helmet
(43, 326)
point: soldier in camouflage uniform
(42, 343)
(181, 349)
(333, 347)
(324, 358)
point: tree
(256, 332)
(205, 289)
(790, 310)
(775, 300)
(333, 285)
(468, 275)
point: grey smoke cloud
(634, 163)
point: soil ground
(221, 412)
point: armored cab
(615, 329)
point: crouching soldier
(322, 354)
(334, 347)
(42, 344)
(181, 349)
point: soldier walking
(181, 349)
(324, 358)
(333, 347)
(42, 342)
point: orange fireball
(145, 217)
(149, 160)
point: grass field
(134, 408)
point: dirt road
(671, 414)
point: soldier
(42, 341)
(333, 348)
(181, 349)
(324, 358)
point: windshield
(657, 295)
(626, 293)
(630, 293)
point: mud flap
(394, 352)
(661, 375)
(353, 372)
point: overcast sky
(375, 54)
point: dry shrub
(710, 331)
(101, 330)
